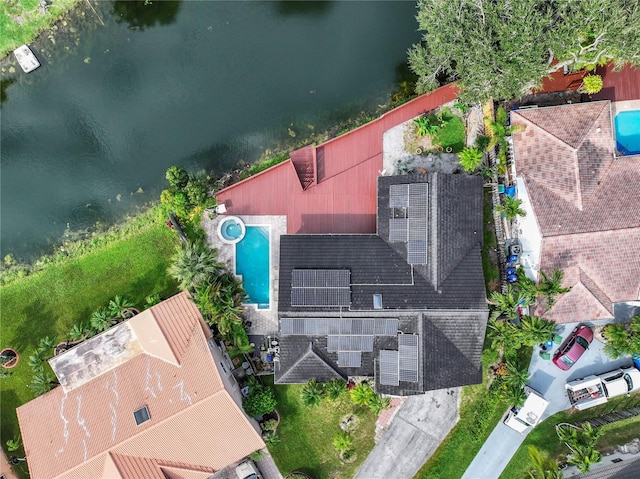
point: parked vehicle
(573, 347)
(247, 470)
(597, 389)
(528, 415)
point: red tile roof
(71, 432)
(343, 197)
(586, 204)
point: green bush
(342, 441)
(260, 401)
(334, 389)
(177, 177)
(269, 425)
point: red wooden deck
(343, 200)
(619, 86)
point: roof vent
(377, 301)
(141, 415)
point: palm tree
(543, 467)
(537, 330)
(516, 376)
(312, 393)
(581, 441)
(514, 395)
(551, 286)
(101, 320)
(14, 444)
(618, 339)
(118, 306)
(507, 303)
(42, 382)
(335, 388)
(151, 300)
(499, 131)
(362, 394)
(504, 335)
(584, 457)
(194, 264)
(342, 441)
(511, 208)
(78, 331)
(470, 159)
(379, 404)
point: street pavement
(416, 431)
(549, 381)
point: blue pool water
(627, 125)
(252, 262)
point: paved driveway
(416, 431)
(549, 381)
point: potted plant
(9, 358)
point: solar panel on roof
(349, 359)
(316, 287)
(389, 373)
(417, 252)
(398, 229)
(408, 357)
(337, 343)
(339, 326)
(398, 196)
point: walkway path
(418, 428)
(549, 381)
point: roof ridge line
(547, 132)
(604, 103)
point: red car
(573, 348)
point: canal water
(89, 135)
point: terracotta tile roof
(70, 434)
(586, 204)
(601, 268)
(133, 467)
(567, 148)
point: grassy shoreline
(21, 21)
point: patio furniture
(221, 208)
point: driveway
(416, 431)
(549, 381)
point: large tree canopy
(502, 48)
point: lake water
(203, 84)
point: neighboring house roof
(160, 359)
(433, 310)
(586, 204)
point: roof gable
(310, 365)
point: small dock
(27, 60)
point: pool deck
(263, 321)
(618, 106)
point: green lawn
(51, 301)
(453, 134)
(544, 435)
(21, 21)
(307, 435)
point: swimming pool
(627, 124)
(252, 263)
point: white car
(247, 470)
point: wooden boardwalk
(342, 197)
(618, 86)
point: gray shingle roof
(443, 302)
